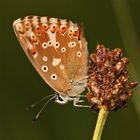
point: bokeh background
(114, 23)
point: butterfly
(58, 51)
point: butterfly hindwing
(56, 48)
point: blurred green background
(114, 23)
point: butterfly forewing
(56, 48)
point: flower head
(108, 79)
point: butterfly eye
(60, 98)
(45, 27)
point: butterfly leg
(77, 100)
(81, 101)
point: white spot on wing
(63, 49)
(61, 66)
(53, 76)
(50, 43)
(35, 20)
(29, 33)
(18, 27)
(63, 21)
(56, 44)
(44, 45)
(80, 44)
(53, 20)
(75, 27)
(27, 24)
(45, 58)
(35, 55)
(72, 44)
(52, 36)
(29, 45)
(16, 22)
(44, 68)
(71, 29)
(56, 61)
(79, 54)
(43, 20)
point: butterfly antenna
(39, 101)
(38, 114)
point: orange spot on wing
(76, 33)
(63, 30)
(45, 27)
(54, 28)
(38, 30)
(33, 39)
(33, 51)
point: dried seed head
(108, 81)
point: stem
(100, 123)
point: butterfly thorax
(72, 94)
(77, 87)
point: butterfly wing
(55, 47)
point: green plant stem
(100, 123)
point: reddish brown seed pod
(132, 84)
(108, 79)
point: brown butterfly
(58, 51)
